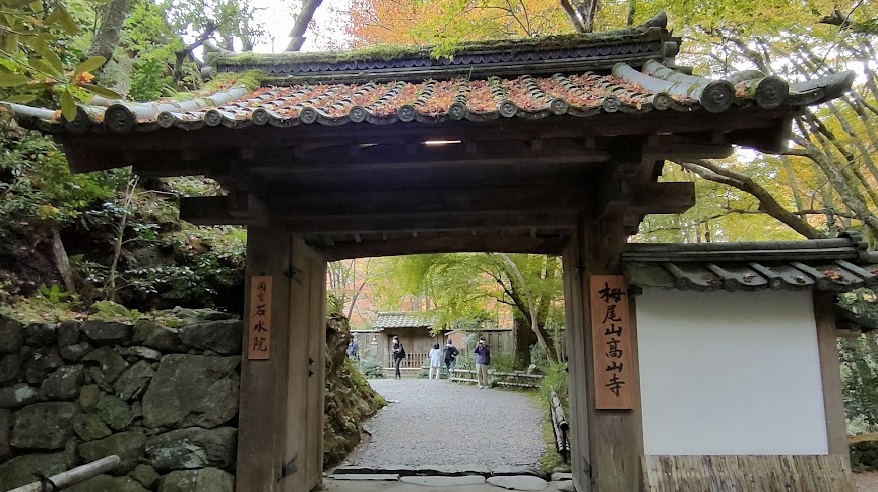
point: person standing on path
(483, 360)
(435, 361)
(398, 355)
(451, 353)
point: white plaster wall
(730, 373)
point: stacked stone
(164, 399)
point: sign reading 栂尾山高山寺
(259, 329)
(612, 345)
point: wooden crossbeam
(448, 244)
(222, 210)
(419, 155)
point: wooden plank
(611, 343)
(799, 473)
(262, 424)
(830, 373)
(259, 326)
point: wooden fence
(412, 360)
(510, 379)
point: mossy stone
(114, 412)
(89, 397)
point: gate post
(607, 445)
(280, 425)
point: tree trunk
(62, 261)
(107, 39)
(531, 309)
(120, 239)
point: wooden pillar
(607, 444)
(279, 435)
(830, 372)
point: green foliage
(555, 379)
(37, 185)
(55, 295)
(859, 369)
(370, 368)
(35, 63)
(39, 308)
(502, 362)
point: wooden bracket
(235, 209)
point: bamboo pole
(76, 475)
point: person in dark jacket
(398, 355)
(451, 353)
(483, 360)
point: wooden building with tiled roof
(549, 146)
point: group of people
(448, 355)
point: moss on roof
(387, 52)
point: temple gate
(550, 146)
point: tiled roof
(654, 87)
(628, 71)
(835, 265)
(402, 320)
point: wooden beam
(418, 155)
(428, 222)
(646, 198)
(236, 209)
(365, 211)
(662, 198)
(91, 153)
(481, 243)
(523, 198)
(830, 373)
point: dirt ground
(867, 482)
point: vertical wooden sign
(611, 342)
(259, 329)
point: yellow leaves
(447, 22)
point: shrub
(371, 368)
(555, 379)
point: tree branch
(767, 202)
(301, 25)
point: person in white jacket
(435, 361)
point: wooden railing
(512, 379)
(560, 427)
(412, 360)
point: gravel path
(442, 423)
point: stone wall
(164, 397)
